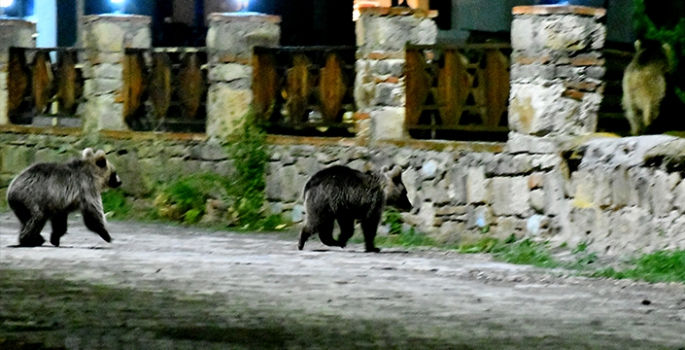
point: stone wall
(619, 195)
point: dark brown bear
(50, 191)
(344, 195)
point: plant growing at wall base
(185, 199)
(660, 266)
(250, 154)
(115, 203)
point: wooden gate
(458, 93)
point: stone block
(521, 143)
(230, 72)
(114, 33)
(16, 158)
(477, 186)
(662, 193)
(509, 196)
(543, 110)
(389, 67)
(567, 33)
(479, 217)
(284, 184)
(226, 108)
(108, 71)
(507, 226)
(622, 192)
(388, 123)
(389, 94)
(4, 95)
(435, 191)
(679, 197)
(15, 33)
(537, 200)
(555, 193)
(392, 33)
(456, 184)
(102, 113)
(232, 36)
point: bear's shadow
(60, 247)
(323, 250)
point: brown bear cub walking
(50, 191)
(344, 195)
(645, 84)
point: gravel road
(190, 288)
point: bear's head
(104, 170)
(395, 191)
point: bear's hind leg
(325, 229)
(59, 228)
(346, 230)
(30, 232)
(369, 227)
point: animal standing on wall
(50, 191)
(344, 195)
(644, 85)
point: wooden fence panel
(39, 87)
(305, 90)
(458, 92)
(165, 89)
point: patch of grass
(114, 201)
(409, 238)
(511, 250)
(661, 266)
(185, 199)
(393, 218)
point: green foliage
(393, 218)
(115, 202)
(661, 266)
(185, 199)
(511, 250)
(249, 151)
(409, 238)
(645, 28)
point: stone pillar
(105, 39)
(556, 74)
(230, 40)
(13, 33)
(379, 90)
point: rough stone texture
(231, 36)
(379, 83)
(226, 107)
(230, 41)
(388, 123)
(105, 38)
(616, 200)
(509, 196)
(555, 73)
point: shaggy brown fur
(50, 191)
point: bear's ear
(88, 153)
(100, 159)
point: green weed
(114, 201)
(661, 266)
(393, 218)
(409, 238)
(511, 250)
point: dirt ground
(171, 287)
